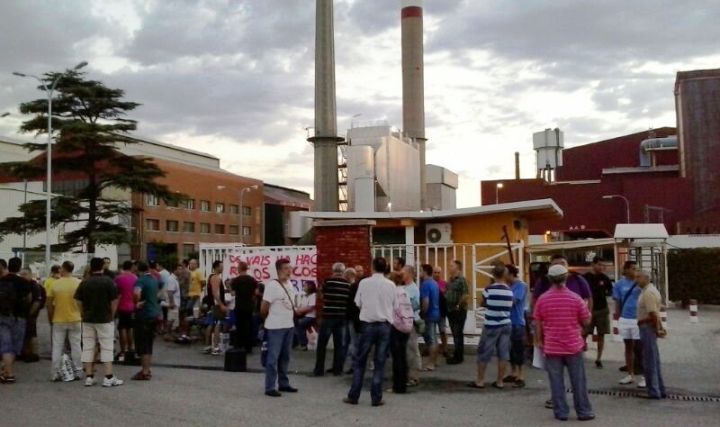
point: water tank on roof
(548, 145)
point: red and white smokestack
(413, 81)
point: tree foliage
(89, 124)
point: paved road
(211, 397)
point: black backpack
(8, 298)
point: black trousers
(456, 319)
(398, 350)
(243, 330)
(336, 329)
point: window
(219, 228)
(204, 205)
(152, 224)
(234, 209)
(67, 187)
(233, 229)
(247, 211)
(171, 225)
(172, 203)
(151, 200)
(219, 207)
(188, 248)
(247, 231)
(204, 227)
(189, 227)
(189, 203)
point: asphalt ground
(189, 388)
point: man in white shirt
(172, 288)
(376, 299)
(278, 310)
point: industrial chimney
(325, 138)
(413, 83)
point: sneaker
(90, 381)
(627, 380)
(207, 350)
(216, 352)
(112, 382)
(641, 383)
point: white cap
(557, 270)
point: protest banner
(261, 263)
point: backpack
(403, 314)
(8, 298)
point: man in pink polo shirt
(560, 317)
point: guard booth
(645, 244)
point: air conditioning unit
(438, 233)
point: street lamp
(48, 192)
(627, 203)
(242, 193)
(498, 186)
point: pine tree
(89, 123)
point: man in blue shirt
(430, 302)
(517, 335)
(625, 294)
(146, 318)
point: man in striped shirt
(560, 318)
(336, 297)
(495, 340)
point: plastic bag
(538, 358)
(67, 370)
(312, 337)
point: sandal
(141, 376)
(473, 384)
(509, 379)
(519, 384)
(497, 386)
(7, 379)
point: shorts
(494, 342)
(12, 334)
(125, 320)
(600, 322)
(517, 345)
(173, 315)
(188, 304)
(144, 334)
(628, 329)
(430, 335)
(98, 333)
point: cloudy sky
(235, 77)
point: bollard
(615, 330)
(693, 311)
(663, 316)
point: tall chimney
(325, 139)
(413, 82)
(517, 165)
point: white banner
(261, 263)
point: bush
(694, 274)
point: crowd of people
(370, 318)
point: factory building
(665, 175)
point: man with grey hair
(560, 317)
(414, 359)
(352, 328)
(651, 328)
(335, 295)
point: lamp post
(242, 214)
(627, 203)
(48, 192)
(498, 186)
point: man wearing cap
(648, 315)
(560, 316)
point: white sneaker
(641, 383)
(90, 381)
(627, 380)
(112, 382)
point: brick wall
(346, 242)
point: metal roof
(641, 231)
(542, 207)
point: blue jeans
(336, 328)
(651, 362)
(279, 342)
(554, 365)
(373, 334)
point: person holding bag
(278, 310)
